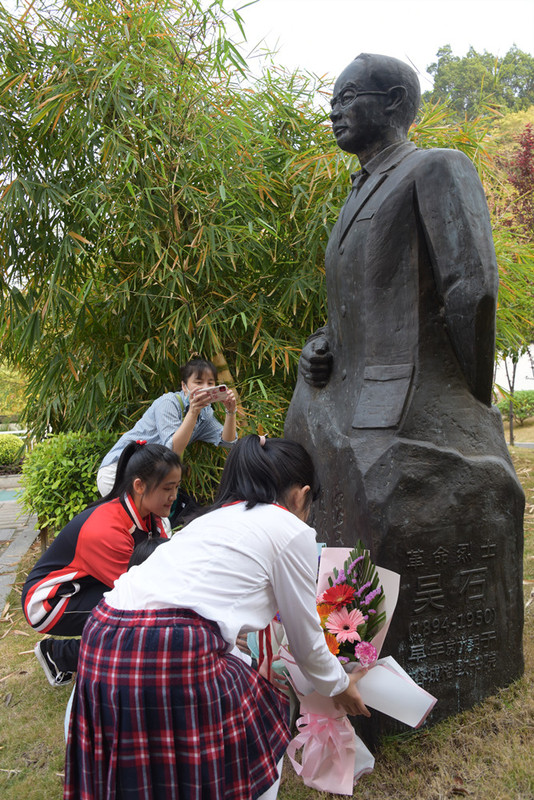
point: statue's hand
(316, 361)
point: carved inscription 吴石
(454, 617)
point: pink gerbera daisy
(344, 624)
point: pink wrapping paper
(328, 753)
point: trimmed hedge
(59, 476)
(523, 402)
(11, 448)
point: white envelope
(389, 689)
(386, 687)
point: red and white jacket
(93, 548)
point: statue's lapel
(359, 197)
(357, 200)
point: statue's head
(375, 101)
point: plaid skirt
(161, 712)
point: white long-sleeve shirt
(238, 567)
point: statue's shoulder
(445, 155)
(441, 160)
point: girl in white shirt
(162, 709)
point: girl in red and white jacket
(94, 549)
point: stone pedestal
(451, 525)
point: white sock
(272, 791)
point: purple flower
(371, 596)
(356, 560)
(363, 588)
(341, 578)
(343, 659)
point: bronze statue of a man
(393, 397)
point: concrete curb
(19, 529)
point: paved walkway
(18, 531)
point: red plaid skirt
(161, 712)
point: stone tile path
(18, 531)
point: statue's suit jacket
(412, 288)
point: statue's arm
(455, 218)
(315, 363)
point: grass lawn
(522, 433)
(487, 752)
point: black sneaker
(54, 676)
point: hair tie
(141, 441)
(262, 440)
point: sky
(323, 36)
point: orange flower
(332, 643)
(340, 595)
(324, 610)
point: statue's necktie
(350, 205)
(357, 185)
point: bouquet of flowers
(356, 601)
(352, 609)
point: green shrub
(523, 406)
(59, 476)
(11, 448)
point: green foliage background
(523, 406)
(154, 207)
(476, 81)
(158, 202)
(12, 385)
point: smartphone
(215, 393)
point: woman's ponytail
(262, 470)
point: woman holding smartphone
(177, 419)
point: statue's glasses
(348, 96)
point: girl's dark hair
(150, 462)
(197, 366)
(144, 549)
(265, 473)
